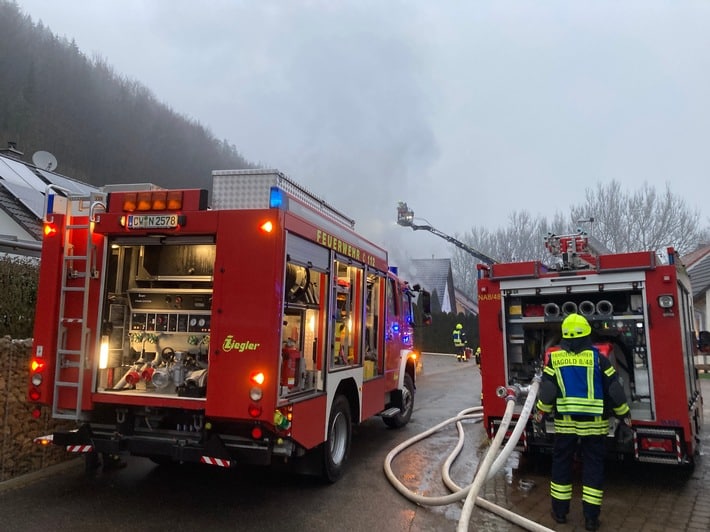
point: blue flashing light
(394, 269)
(395, 327)
(277, 198)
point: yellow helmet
(478, 350)
(575, 326)
(459, 326)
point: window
(372, 348)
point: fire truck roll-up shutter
(304, 252)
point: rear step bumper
(214, 450)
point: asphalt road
(147, 497)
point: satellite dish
(44, 160)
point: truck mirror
(426, 303)
(704, 342)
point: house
(436, 276)
(697, 263)
(23, 189)
(465, 305)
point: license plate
(152, 221)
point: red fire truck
(253, 332)
(640, 308)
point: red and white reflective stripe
(80, 448)
(679, 454)
(215, 461)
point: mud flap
(216, 453)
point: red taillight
(34, 394)
(254, 410)
(256, 433)
(36, 413)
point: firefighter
(478, 356)
(576, 385)
(460, 342)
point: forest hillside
(101, 127)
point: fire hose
(487, 468)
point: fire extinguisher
(290, 358)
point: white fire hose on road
(487, 468)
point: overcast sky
(468, 111)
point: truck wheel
(337, 447)
(407, 407)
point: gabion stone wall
(18, 453)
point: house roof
(435, 274)
(20, 213)
(698, 265)
(468, 304)
(23, 187)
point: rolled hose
(485, 471)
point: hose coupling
(509, 393)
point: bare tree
(641, 220)
(522, 239)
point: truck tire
(336, 448)
(407, 407)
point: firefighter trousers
(593, 452)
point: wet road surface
(147, 497)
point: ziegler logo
(230, 345)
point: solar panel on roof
(18, 173)
(29, 197)
(69, 184)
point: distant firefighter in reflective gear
(577, 383)
(460, 342)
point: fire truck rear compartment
(618, 329)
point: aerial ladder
(405, 218)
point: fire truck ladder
(78, 218)
(405, 218)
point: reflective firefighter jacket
(583, 389)
(459, 338)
